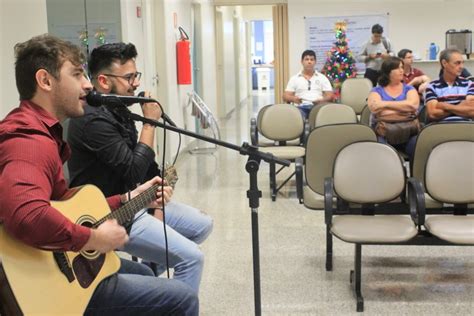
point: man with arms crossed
(451, 97)
(52, 87)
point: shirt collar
(315, 74)
(43, 115)
(457, 81)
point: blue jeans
(135, 291)
(186, 227)
(305, 109)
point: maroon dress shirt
(32, 154)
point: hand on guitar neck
(155, 182)
(110, 235)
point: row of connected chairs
(373, 177)
(279, 129)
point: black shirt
(105, 152)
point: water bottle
(434, 50)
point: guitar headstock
(171, 175)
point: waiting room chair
(281, 123)
(322, 146)
(335, 113)
(428, 138)
(364, 117)
(449, 179)
(367, 173)
(354, 93)
(257, 139)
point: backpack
(385, 44)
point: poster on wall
(320, 34)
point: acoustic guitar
(62, 283)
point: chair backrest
(368, 172)
(365, 116)
(281, 122)
(334, 113)
(312, 115)
(260, 114)
(354, 93)
(449, 175)
(434, 134)
(322, 146)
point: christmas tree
(340, 64)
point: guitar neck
(125, 213)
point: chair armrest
(416, 201)
(253, 131)
(299, 178)
(328, 200)
(306, 130)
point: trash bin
(263, 78)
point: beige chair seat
(285, 152)
(455, 229)
(373, 229)
(313, 200)
(432, 203)
(264, 142)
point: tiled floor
(396, 280)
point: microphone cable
(163, 198)
(142, 94)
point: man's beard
(130, 91)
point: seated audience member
(309, 87)
(374, 52)
(52, 87)
(394, 102)
(413, 76)
(464, 73)
(451, 97)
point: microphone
(163, 114)
(97, 99)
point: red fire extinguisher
(183, 58)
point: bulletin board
(320, 35)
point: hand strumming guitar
(107, 237)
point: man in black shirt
(108, 152)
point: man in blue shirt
(451, 97)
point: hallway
(395, 280)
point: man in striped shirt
(451, 97)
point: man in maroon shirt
(52, 87)
(411, 75)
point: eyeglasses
(309, 85)
(130, 77)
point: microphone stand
(253, 194)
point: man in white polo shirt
(309, 87)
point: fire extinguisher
(183, 58)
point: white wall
(228, 62)
(257, 12)
(208, 53)
(19, 21)
(412, 24)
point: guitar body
(39, 286)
